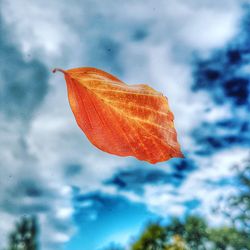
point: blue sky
(195, 52)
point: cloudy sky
(195, 52)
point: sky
(195, 52)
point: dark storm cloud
(72, 170)
(184, 166)
(140, 34)
(31, 196)
(24, 82)
(222, 77)
(225, 76)
(134, 179)
(222, 134)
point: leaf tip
(181, 155)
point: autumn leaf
(121, 119)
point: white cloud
(163, 200)
(209, 28)
(199, 185)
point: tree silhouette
(153, 238)
(25, 235)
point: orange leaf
(121, 119)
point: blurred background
(57, 191)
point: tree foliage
(241, 202)
(192, 234)
(25, 235)
(153, 238)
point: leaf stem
(58, 69)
